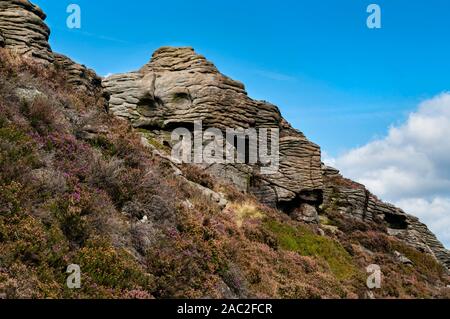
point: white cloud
(410, 167)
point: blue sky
(333, 78)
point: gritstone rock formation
(179, 87)
(348, 197)
(23, 30)
(79, 76)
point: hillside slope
(86, 178)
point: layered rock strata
(178, 87)
(22, 29)
(350, 198)
(79, 76)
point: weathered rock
(402, 258)
(79, 76)
(348, 197)
(91, 133)
(178, 87)
(28, 94)
(23, 30)
(215, 197)
(306, 213)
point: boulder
(306, 213)
(402, 258)
(28, 94)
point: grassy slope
(66, 200)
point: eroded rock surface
(79, 76)
(23, 30)
(347, 197)
(179, 86)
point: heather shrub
(154, 207)
(17, 154)
(10, 198)
(128, 146)
(34, 254)
(112, 268)
(197, 175)
(233, 278)
(143, 236)
(232, 193)
(189, 260)
(43, 116)
(374, 241)
(47, 182)
(102, 143)
(122, 183)
(347, 224)
(445, 293)
(71, 221)
(137, 294)
(204, 204)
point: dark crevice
(396, 221)
(288, 207)
(366, 204)
(313, 198)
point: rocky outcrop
(179, 86)
(23, 30)
(350, 198)
(79, 76)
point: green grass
(306, 243)
(424, 263)
(154, 142)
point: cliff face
(231, 223)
